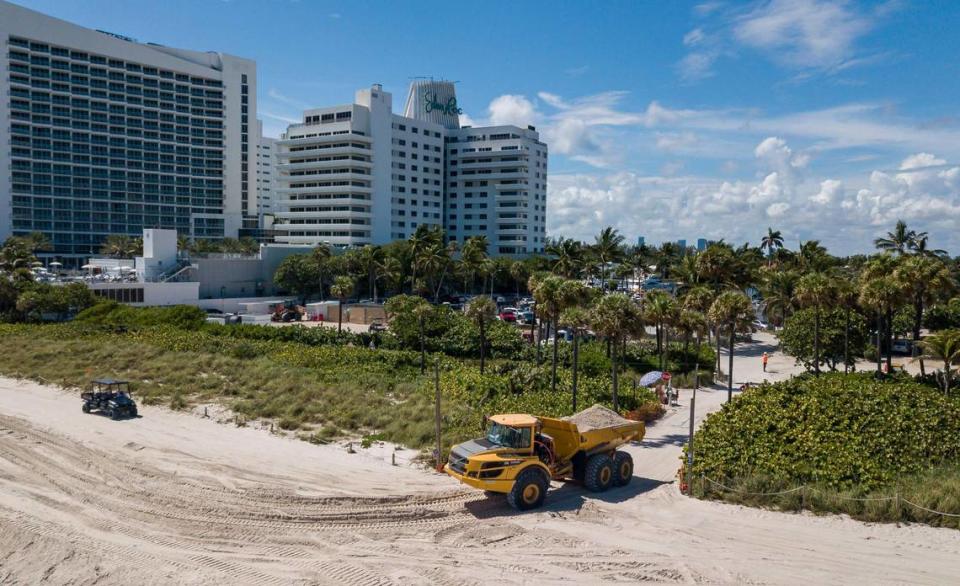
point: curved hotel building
(359, 174)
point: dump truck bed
(592, 430)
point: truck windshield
(508, 437)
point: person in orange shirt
(765, 358)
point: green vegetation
(840, 341)
(840, 436)
(320, 391)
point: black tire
(529, 489)
(599, 473)
(622, 468)
(133, 412)
(86, 408)
(113, 413)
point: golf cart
(110, 397)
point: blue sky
(825, 119)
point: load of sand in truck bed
(597, 417)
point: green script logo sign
(432, 104)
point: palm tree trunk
(816, 341)
(423, 350)
(717, 336)
(889, 324)
(613, 366)
(553, 375)
(946, 378)
(846, 342)
(340, 318)
(917, 319)
(879, 341)
(730, 365)
(576, 365)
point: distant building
(359, 174)
(641, 240)
(701, 244)
(682, 244)
(101, 134)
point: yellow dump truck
(521, 454)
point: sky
(824, 119)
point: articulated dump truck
(521, 454)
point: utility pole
(436, 410)
(693, 414)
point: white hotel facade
(101, 135)
(359, 174)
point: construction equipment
(522, 453)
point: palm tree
(779, 289)
(578, 320)
(919, 247)
(15, 254)
(734, 310)
(422, 311)
(771, 242)
(614, 316)
(660, 308)
(421, 240)
(926, 279)
(38, 242)
(608, 248)
(370, 259)
(569, 257)
(119, 246)
(472, 256)
(898, 241)
(321, 255)
(815, 290)
(881, 291)
(482, 310)
(691, 323)
(945, 346)
(519, 272)
(342, 288)
(846, 295)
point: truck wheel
(622, 468)
(599, 473)
(529, 490)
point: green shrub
(841, 431)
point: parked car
(377, 325)
(760, 325)
(526, 317)
(508, 315)
(902, 346)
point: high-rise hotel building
(101, 135)
(359, 174)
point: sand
(175, 498)
(597, 417)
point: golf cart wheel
(599, 473)
(114, 414)
(86, 408)
(622, 468)
(133, 412)
(529, 490)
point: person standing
(764, 359)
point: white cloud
(804, 33)
(667, 207)
(830, 191)
(693, 37)
(676, 141)
(512, 109)
(812, 35)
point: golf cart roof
(108, 382)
